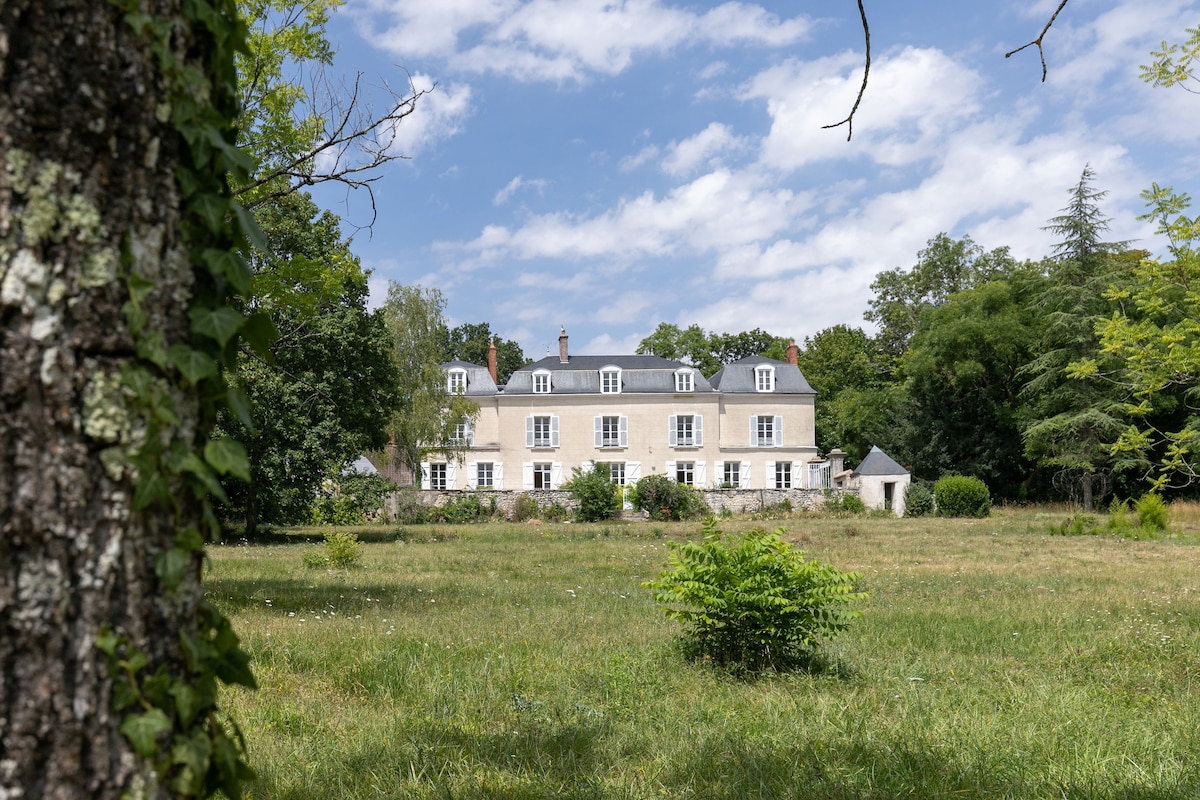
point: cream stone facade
(750, 426)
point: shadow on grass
(347, 595)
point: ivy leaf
(254, 234)
(152, 488)
(193, 464)
(107, 641)
(211, 208)
(220, 324)
(259, 332)
(142, 731)
(187, 702)
(230, 265)
(227, 456)
(171, 566)
(239, 404)
(194, 365)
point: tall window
(684, 381)
(685, 430)
(462, 434)
(616, 472)
(437, 476)
(610, 431)
(685, 473)
(732, 474)
(765, 431)
(541, 476)
(484, 475)
(541, 383)
(610, 381)
(457, 381)
(542, 429)
(764, 379)
(783, 474)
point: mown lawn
(520, 661)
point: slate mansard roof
(738, 377)
(479, 380)
(581, 375)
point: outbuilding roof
(878, 462)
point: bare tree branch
(1038, 40)
(849, 120)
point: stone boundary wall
(735, 501)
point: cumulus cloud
(703, 149)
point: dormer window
(456, 382)
(685, 381)
(610, 380)
(541, 383)
(764, 379)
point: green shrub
(961, 496)
(844, 503)
(598, 497)
(1151, 512)
(754, 602)
(918, 500)
(663, 498)
(524, 508)
(1077, 525)
(463, 508)
(350, 500)
(341, 551)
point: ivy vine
(170, 718)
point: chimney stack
(793, 352)
(492, 360)
(562, 347)
(837, 461)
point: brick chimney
(793, 352)
(563, 358)
(492, 360)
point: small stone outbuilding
(880, 481)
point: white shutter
(554, 431)
(778, 431)
(451, 475)
(672, 434)
(498, 475)
(425, 484)
(698, 431)
(744, 475)
(797, 474)
(698, 475)
(556, 475)
(633, 472)
(586, 467)
(624, 431)
(769, 483)
(753, 431)
(718, 472)
(472, 475)
(529, 431)
(598, 424)
(671, 470)
(527, 475)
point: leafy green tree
(330, 385)
(429, 415)
(595, 492)
(1067, 423)
(470, 343)
(856, 406)
(1173, 63)
(962, 384)
(1154, 338)
(944, 267)
(708, 352)
(303, 126)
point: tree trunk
(88, 200)
(1088, 502)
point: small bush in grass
(351, 499)
(1151, 512)
(962, 496)
(918, 500)
(1077, 525)
(524, 508)
(595, 492)
(754, 602)
(341, 551)
(845, 503)
(663, 498)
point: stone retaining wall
(735, 501)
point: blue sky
(607, 165)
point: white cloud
(703, 149)
(512, 186)
(438, 115)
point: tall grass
(510, 661)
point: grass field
(519, 661)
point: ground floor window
(484, 475)
(541, 476)
(685, 473)
(616, 472)
(732, 474)
(783, 474)
(437, 476)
